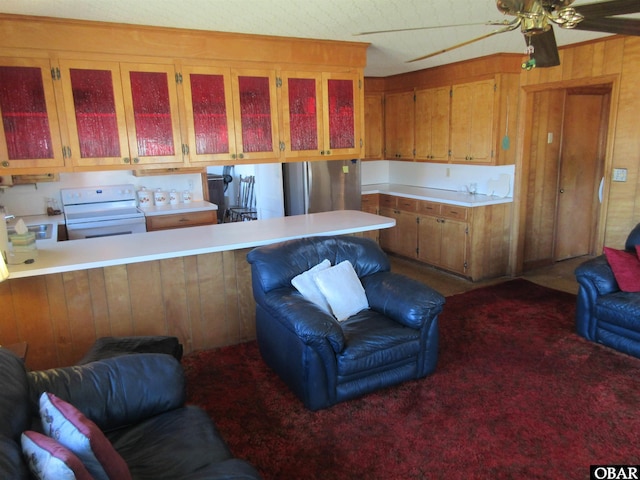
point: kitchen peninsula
(193, 283)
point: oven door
(106, 228)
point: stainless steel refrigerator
(321, 186)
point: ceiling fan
(536, 17)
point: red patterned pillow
(626, 268)
(65, 423)
(48, 460)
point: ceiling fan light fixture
(533, 23)
(567, 17)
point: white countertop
(196, 206)
(462, 199)
(57, 257)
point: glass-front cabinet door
(209, 113)
(302, 126)
(151, 109)
(341, 97)
(321, 114)
(30, 135)
(94, 108)
(255, 114)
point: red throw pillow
(626, 268)
(66, 424)
(48, 460)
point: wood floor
(559, 276)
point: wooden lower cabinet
(181, 220)
(369, 204)
(473, 242)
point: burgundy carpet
(516, 394)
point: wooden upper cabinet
(94, 109)
(472, 122)
(320, 114)
(399, 126)
(374, 126)
(255, 115)
(30, 136)
(151, 109)
(432, 124)
(209, 113)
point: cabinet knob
(562, 190)
(5, 164)
(136, 160)
(241, 155)
(126, 160)
(321, 152)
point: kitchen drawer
(370, 200)
(454, 211)
(388, 201)
(180, 220)
(407, 204)
(429, 208)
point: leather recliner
(137, 400)
(604, 313)
(324, 361)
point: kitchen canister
(144, 198)
(186, 196)
(173, 197)
(160, 198)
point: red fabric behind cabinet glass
(302, 114)
(341, 121)
(95, 113)
(209, 113)
(255, 114)
(24, 113)
(152, 113)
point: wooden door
(209, 113)
(302, 116)
(374, 126)
(432, 124)
(399, 119)
(30, 134)
(94, 108)
(255, 114)
(151, 107)
(342, 114)
(429, 239)
(581, 158)
(481, 136)
(454, 245)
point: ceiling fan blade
(608, 9)
(428, 28)
(545, 49)
(621, 26)
(513, 25)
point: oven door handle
(105, 223)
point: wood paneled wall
(204, 300)
(615, 61)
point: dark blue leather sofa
(604, 313)
(324, 361)
(137, 400)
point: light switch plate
(619, 174)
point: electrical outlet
(550, 138)
(619, 174)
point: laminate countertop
(462, 199)
(58, 257)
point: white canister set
(160, 197)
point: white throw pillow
(305, 284)
(342, 289)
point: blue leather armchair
(604, 313)
(324, 361)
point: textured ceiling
(323, 19)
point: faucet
(6, 217)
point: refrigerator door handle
(307, 182)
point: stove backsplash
(32, 199)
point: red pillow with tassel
(626, 268)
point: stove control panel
(108, 193)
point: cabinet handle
(328, 152)
(5, 164)
(233, 155)
(126, 160)
(241, 155)
(136, 160)
(321, 152)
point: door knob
(562, 190)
